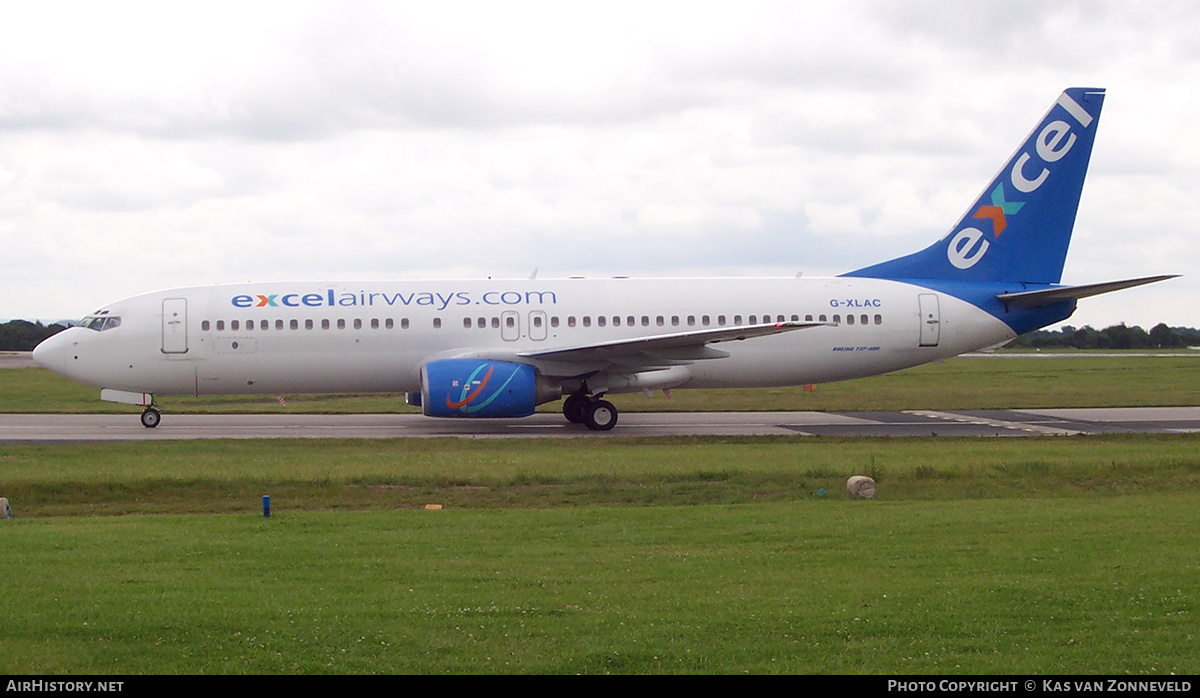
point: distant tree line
(1114, 337)
(20, 335)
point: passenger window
(837, 319)
(821, 319)
(374, 323)
(691, 320)
(404, 323)
(863, 319)
(341, 323)
(308, 324)
(659, 321)
(510, 321)
(878, 319)
(554, 321)
(630, 320)
(587, 320)
(437, 323)
(233, 326)
(849, 319)
(616, 320)
(807, 318)
(481, 323)
(537, 320)
(570, 321)
(467, 323)
(264, 325)
(495, 323)
(324, 323)
(645, 321)
(753, 320)
(358, 323)
(389, 324)
(705, 321)
(204, 326)
(220, 326)
(674, 321)
(279, 324)
(294, 324)
(721, 320)
(601, 321)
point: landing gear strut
(594, 413)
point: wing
(651, 352)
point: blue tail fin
(1019, 228)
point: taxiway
(991, 423)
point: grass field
(1077, 555)
(964, 383)
(1055, 555)
(1044, 586)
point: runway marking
(998, 423)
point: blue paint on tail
(1019, 228)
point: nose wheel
(151, 417)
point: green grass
(231, 476)
(996, 586)
(1075, 555)
(965, 383)
(710, 555)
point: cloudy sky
(148, 146)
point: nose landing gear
(151, 417)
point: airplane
(495, 349)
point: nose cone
(54, 353)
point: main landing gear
(596, 414)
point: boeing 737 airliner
(500, 348)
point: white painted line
(998, 423)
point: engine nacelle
(476, 388)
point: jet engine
(477, 388)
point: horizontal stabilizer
(1052, 295)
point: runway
(60, 428)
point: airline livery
(500, 348)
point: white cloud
(147, 145)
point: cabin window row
(862, 319)
(686, 321)
(537, 320)
(295, 324)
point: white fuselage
(289, 338)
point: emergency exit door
(174, 326)
(931, 320)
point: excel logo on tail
(1026, 174)
(998, 210)
(969, 246)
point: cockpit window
(100, 324)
